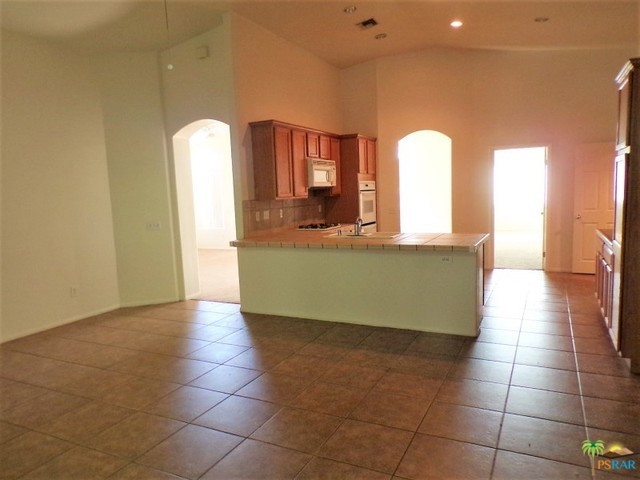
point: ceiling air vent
(366, 24)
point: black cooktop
(318, 226)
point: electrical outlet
(257, 216)
(265, 215)
(446, 259)
(320, 208)
(281, 213)
(73, 291)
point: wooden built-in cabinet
(625, 315)
(604, 277)
(366, 155)
(280, 152)
(334, 154)
(358, 162)
(299, 161)
(313, 144)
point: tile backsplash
(265, 215)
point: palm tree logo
(593, 448)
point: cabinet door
(609, 298)
(282, 145)
(335, 156)
(623, 115)
(362, 155)
(607, 277)
(371, 156)
(599, 277)
(313, 145)
(299, 163)
(325, 147)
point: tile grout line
(575, 359)
(506, 400)
(431, 402)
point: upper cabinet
(359, 152)
(280, 152)
(272, 160)
(299, 163)
(334, 154)
(313, 144)
(366, 155)
(319, 145)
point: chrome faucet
(358, 226)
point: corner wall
(138, 176)
(57, 231)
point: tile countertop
(463, 242)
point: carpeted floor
(517, 250)
(218, 276)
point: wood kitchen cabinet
(313, 144)
(272, 160)
(604, 278)
(319, 146)
(299, 163)
(357, 162)
(360, 152)
(625, 316)
(366, 155)
(325, 147)
(280, 152)
(334, 149)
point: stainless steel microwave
(322, 173)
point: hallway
(198, 390)
(218, 273)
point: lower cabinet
(604, 281)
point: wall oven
(367, 204)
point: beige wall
(140, 193)
(485, 100)
(274, 79)
(359, 98)
(57, 229)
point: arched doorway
(425, 182)
(204, 186)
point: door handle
(578, 217)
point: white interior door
(592, 201)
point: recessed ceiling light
(350, 9)
(456, 24)
(541, 19)
(380, 36)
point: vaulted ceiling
(323, 27)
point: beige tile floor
(199, 390)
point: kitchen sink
(380, 235)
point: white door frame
(545, 198)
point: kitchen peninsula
(422, 281)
